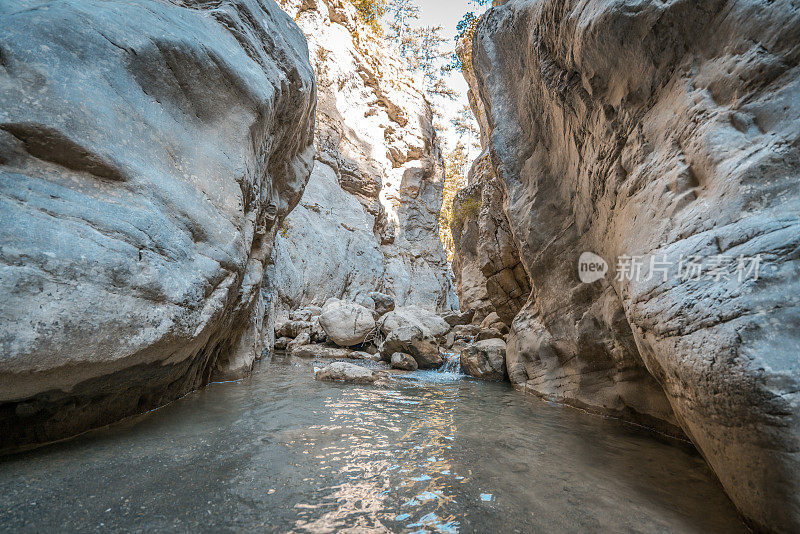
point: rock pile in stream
(149, 152)
(656, 133)
(406, 338)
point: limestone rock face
(346, 323)
(368, 220)
(488, 272)
(659, 131)
(489, 276)
(148, 152)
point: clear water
(280, 452)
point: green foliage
(284, 228)
(400, 14)
(455, 166)
(371, 12)
(466, 210)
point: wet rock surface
(347, 372)
(485, 359)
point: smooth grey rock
(319, 350)
(485, 359)
(148, 152)
(431, 325)
(403, 361)
(662, 132)
(347, 372)
(346, 323)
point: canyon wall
(660, 136)
(488, 272)
(368, 219)
(149, 151)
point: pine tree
(455, 178)
(400, 15)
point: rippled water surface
(436, 452)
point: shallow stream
(436, 452)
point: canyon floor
(415, 455)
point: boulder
(305, 314)
(455, 318)
(304, 338)
(411, 340)
(485, 359)
(489, 333)
(292, 328)
(347, 372)
(318, 350)
(431, 325)
(282, 342)
(346, 323)
(403, 361)
(149, 151)
(383, 303)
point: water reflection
(281, 452)
(390, 462)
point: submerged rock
(346, 323)
(149, 152)
(317, 350)
(485, 359)
(347, 372)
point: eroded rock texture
(488, 272)
(148, 152)
(368, 218)
(663, 130)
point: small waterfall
(452, 364)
